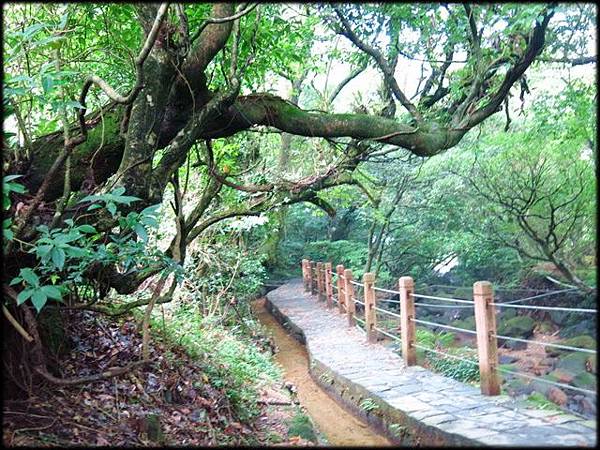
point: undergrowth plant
(231, 360)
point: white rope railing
(546, 308)
(544, 380)
(386, 290)
(445, 299)
(449, 327)
(427, 349)
(358, 301)
(546, 294)
(356, 283)
(388, 334)
(432, 305)
(546, 344)
(385, 311)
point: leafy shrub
(231, 360)
(65, 253)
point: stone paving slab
(439, 410)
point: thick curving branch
(270, 110)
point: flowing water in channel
(339, 426)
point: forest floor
(170, 401)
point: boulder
(515, 345)
(517, 386)
(573, 363)
(468, 323)
(561, 376)
(557, 396)
(505, 359)
(506, 313)
(540, 386)
(585, 380)
(587, 327)
(559, 317)
(582, 341)
(519, 327)
(588, 406)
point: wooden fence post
(319, 281)
(370, 313)
(407, 326)
(340, 285)
(487, 346)
(349, 291)
(313, 278)
(328, 286)
(305, 276)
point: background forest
(187, 155)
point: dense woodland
(177, 157)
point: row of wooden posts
(317, 278)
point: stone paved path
(454, 409)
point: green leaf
(39, 299)
(52, 292)
(86, 228)
(15, 280)
(29, 276)
(112, 208)
(47, 83)
(141, 232)
(58, 258)
(24, 295)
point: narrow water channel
(339, 426)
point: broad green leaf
(58, 258)
(38, 298)
(24, 295)
(52, 292)
(29, 276)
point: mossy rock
(573, 363)
(520, 327)
(463, 292)
(468, 323)
(583, 327)
(506, 313)
(301, 425)
(582, 341)
(546, 327)
(585, 380)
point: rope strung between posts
(431, 305)
(388, 334)
(358, 301)
(356, 283)
(427, 349)
(386, 290)
(425, 322)
(562, 385)
(385, 311)
(358, 319)
(546, 308)
(537, 296)
(546, 344)
(445, 299)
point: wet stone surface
(451, 407)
